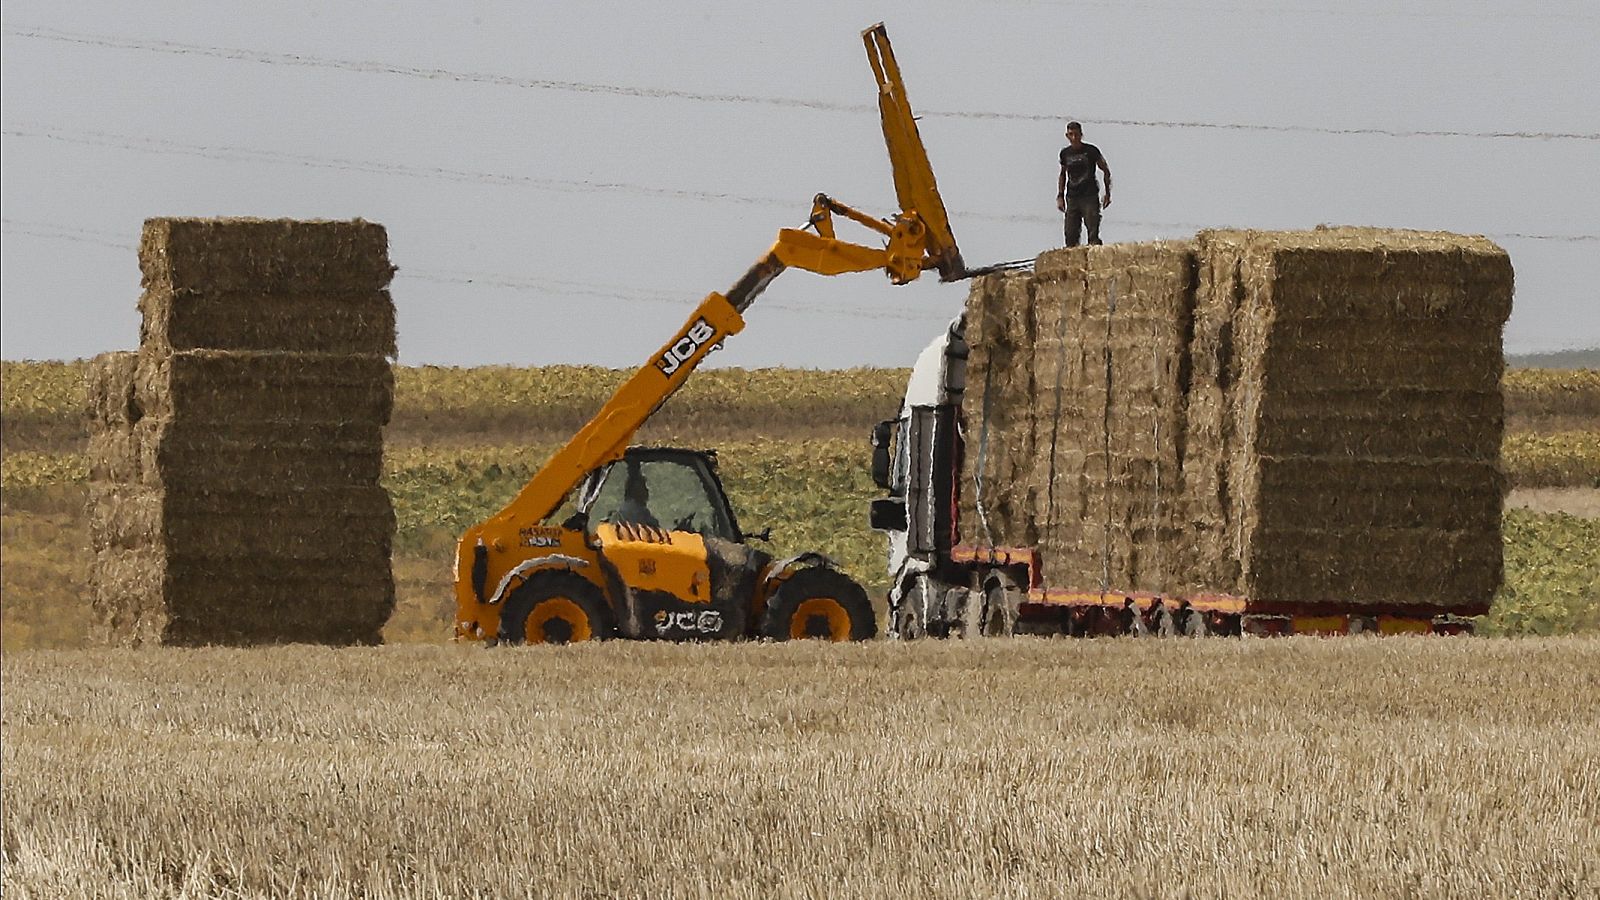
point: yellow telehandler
(647, 546)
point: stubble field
(1287, 768)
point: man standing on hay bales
(1077, 192)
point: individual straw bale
(226, 387)
(1426, 571)
(351, 322)
(1405, 425)
(114, 454)
(149, 596)
(262, 455)
(111, 402)
(125, 596)
(1379, 275)
(289, 525)
(219, 257)
(1356, 493)
(316, 601)
(122, 517)
(999, 387)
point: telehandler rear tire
(820, 603)
(555, 608)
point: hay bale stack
(1108, 368)
(1083, 466)
(1368, 417)
(999, 456)
(235, 458)
(1305, 419)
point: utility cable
(226, 153)
(1105, 431)
(375, 67)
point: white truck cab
(917, 460)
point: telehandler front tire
(820, 603)
(555, 608)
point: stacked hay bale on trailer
(235, 457)
(1298, 428)
(1363, 420)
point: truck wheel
(555, 608)
(820, 603)
(906, 624)
(908, 619)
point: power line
(374, 67)
(630, 294)
(243, 154)
(1343, 13)
(29, 229)
(439, 173)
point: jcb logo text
(684, 348)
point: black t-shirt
(1080, 162)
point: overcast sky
(563, 182)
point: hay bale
(125, 587)
(1371, 420)
(234, 388)
(288, 526)
(352, 322)
(219, 257)
(197, 455)
(235, 459)
(1109, 450)
(111, 400)
(147, 596)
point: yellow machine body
(654, 559)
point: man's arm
(1061, 189)
(1107, 170)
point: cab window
(674, 494)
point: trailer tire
(555, 608)
(1000, 607)
(823, 603)
(1164, 624)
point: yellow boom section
(604, 438)
(914, 186)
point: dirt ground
(1576, 501)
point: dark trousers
(1083, 211)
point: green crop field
(793, 453)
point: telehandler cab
(651, 548)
